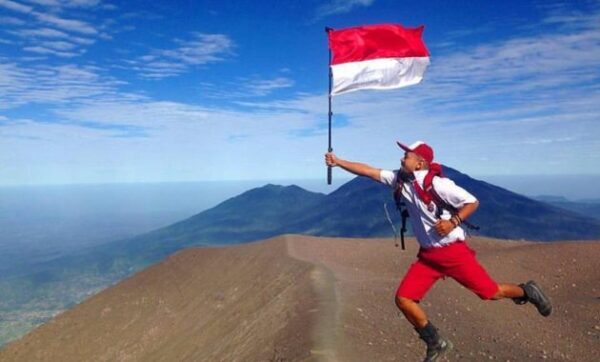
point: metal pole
(329, 114)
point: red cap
(420, 148)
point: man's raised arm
(356, 168)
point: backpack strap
(427, 194)
(435, 169)
(401, 207)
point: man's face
(411, 162)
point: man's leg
(473, 276)
(417, 317)
(436, 345)
(412, 311)
(419, 278)
(508, 291)
(415, 284)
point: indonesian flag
(382, 56)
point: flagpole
(329, 114)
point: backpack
(428, 195)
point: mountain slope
(507, 215)
(199, 305)
(356, 209)
(299, 298)
(589, 208)
(353, 210)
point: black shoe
(436, 346)
(433, 353)
(534, 294)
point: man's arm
(356, 168)
(466, 211)
(461, 199)
(444, 227)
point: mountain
(301, 298)
(550, 198)
(356, 209)
(506, 215)
(353, 210)
(589, 208)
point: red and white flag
(382, 56)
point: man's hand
(356, 168)
(331, 159)
(444, 227)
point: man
(443, 250)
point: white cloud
(110, 7)
(180, 137)
(36, 23)
(523, 93)
(200, 49)
(261, 87)
(59, 4)
(536, 141)
(241, 88)
(55, 85)
(536, 94)
(82, 41)
(15, 6)
(38, 37)
(157, 69)
(7, 20)
(43, 50)
(333, 7)
(77, 26)
(59, 45)
(43, 32)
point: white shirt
(422, 217)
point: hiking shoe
(534, 294)
(436, 345)
(433, 353)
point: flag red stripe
(376, 41)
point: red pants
(457, 261)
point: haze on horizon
(95, 91)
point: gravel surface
(298, 298)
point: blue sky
(98, 91)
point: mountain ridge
(353, 210)
(296, 297)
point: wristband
(456, 220)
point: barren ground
(298, 298)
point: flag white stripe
(381, 73)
